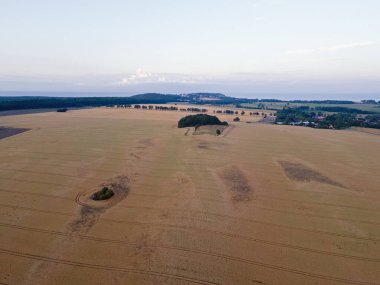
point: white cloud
(138, 76)
(331, 48)
(142, 77)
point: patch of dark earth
(8, 132)
(237, 182)
(301, 173)
(268, 120)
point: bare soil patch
(88, 218)
(268, 120)
(299, 172)
(237, 183)
(203, 145)
(91, 209)
(182, 178)
(25, 112)
(8, 132)
(210, 130)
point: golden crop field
(259, 204)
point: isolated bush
(237, 119)
(103, 194)
(218, 132)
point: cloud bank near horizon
(238, 84)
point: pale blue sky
(232, 46)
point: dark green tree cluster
(371, 121)
(336, 109)
(199, 120)
(290, 115)
(19, 103)
(103, 194)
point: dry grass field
(259, 204)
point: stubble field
(260, 204)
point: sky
(326, 49)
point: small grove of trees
(165, 108)
(199, 120)
(229, 112)
(103, 194)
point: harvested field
(259, 204)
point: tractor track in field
(227, 131)
(272, 198)
(187, 132)
(318, 203)
(216, 215)
(287, 190)
(38, 172)
(255, 222)
(213, 200)
(162, 246)
(36, 194)
(319, 216)
(225, 234)
(76, 200)
(179, 277)
(106, 268)
(275, 210)
(68, 167)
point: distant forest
(39, 102)
(18, 103)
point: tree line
(303, 116)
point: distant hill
(180, 97)
(204, 96)
(156, 96)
